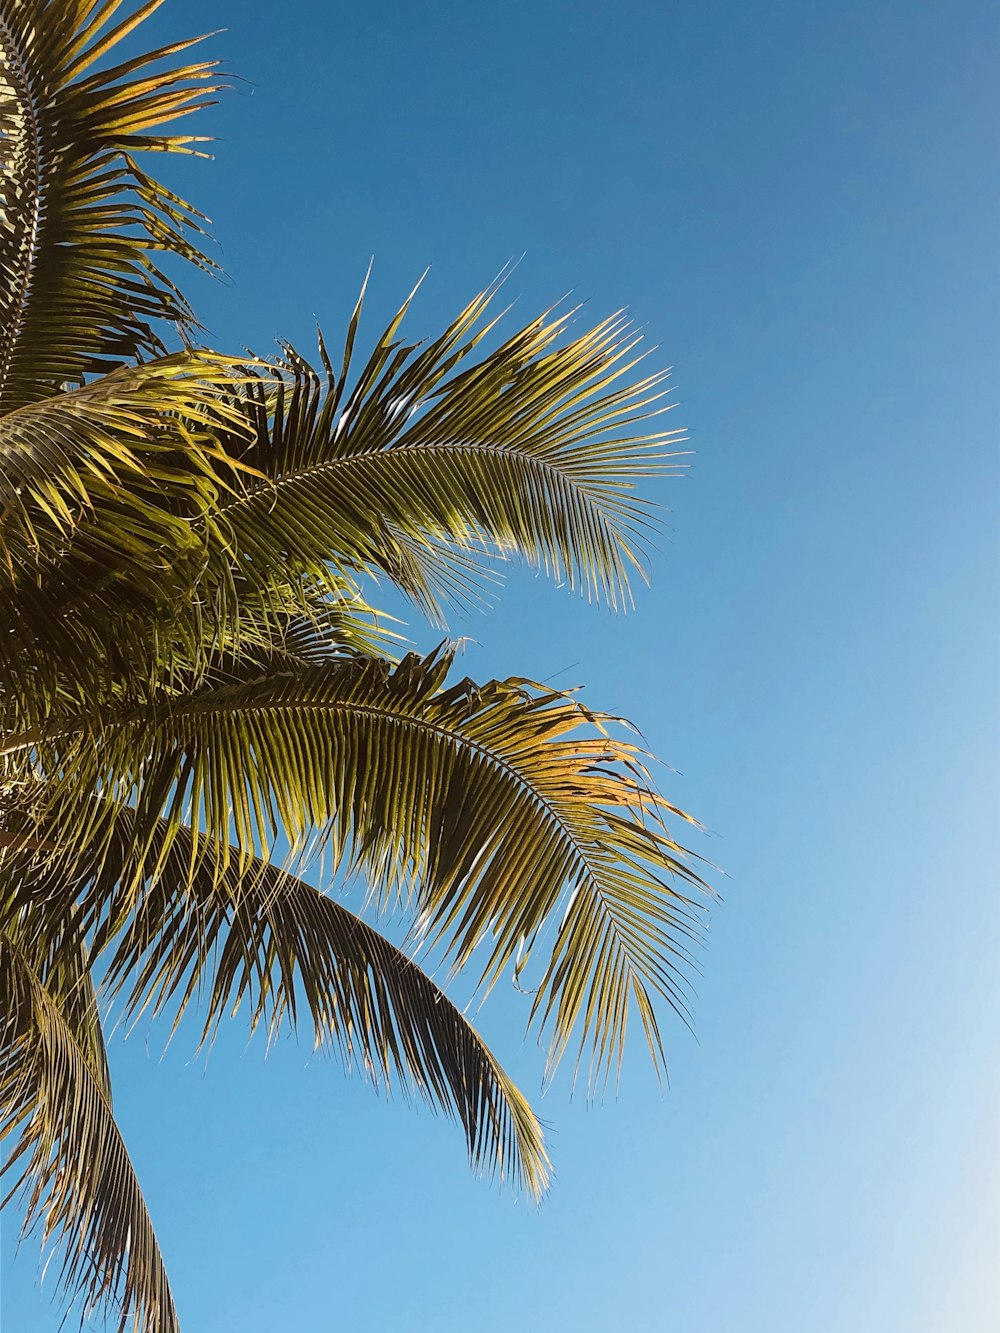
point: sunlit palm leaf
(479, 800)
(106, 501)
(120, 472)
(530, 450)
(61, 959)
(85, 647)
(318, 626)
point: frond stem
(30, 149)
(394, 451)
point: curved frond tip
(75, 1172)
(262, 941)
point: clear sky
(799, 203)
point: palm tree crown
(197, 695)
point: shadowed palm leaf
(188, 544)
(75, 1170)
(81, 221)
(267, 938)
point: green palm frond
(78, 1181)
(80, 222)
(316, 627)
(120, 473)
(479, 803)
(77, 645)
(106, 500)
(531, 449)
(61, 959)
(264, 939)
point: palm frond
(106, 501)
(79, 644)
(121, 473)
(80, 222)
(478, 800)
(73, 1167)
(54, 946)
(264, 939)
(318, 626)
(531, 449)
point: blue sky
(799, 204)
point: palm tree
(197, 696)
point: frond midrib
(21, 85)
(389, 452)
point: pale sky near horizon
(798, 204)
